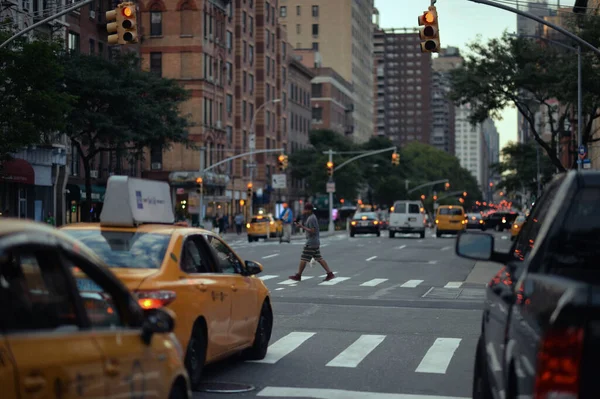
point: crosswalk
(434, 356)
(277, 280)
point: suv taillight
(154, 299)
(558, 364)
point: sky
(460, 22)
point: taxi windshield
(125, 249)
(259, 219)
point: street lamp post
(252, 140)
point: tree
(120, 109)
(532, 76)
(518, 168)
(32, 103)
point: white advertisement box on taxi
(130, 201)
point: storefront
(17, 189)
(77, 209)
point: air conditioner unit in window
(219, 125)
(94, 174)
(156, 165)
(92, 14)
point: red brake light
(559, 359)
(154, 299)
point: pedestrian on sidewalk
(287, 218)
(312, 247)
(239, 221)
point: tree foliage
(120, 108)
(532, 76)
(519, 168)
(32, 102)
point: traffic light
(249, 190)
(283, 162)
(122, 23)
(461, 200)
(423, 197)
(242, 202)
(330, 168)
(447, 186)
(198, 185)
(429, 34)
(435, 197)
(464, 193)
(395, 159)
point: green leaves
(519, 168)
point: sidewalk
(483, 272)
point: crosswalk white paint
(446, 248)
(323, 393)
(268, 277)
(355, 353)
(371, 258)
(270, 256)
(401, 247)
(374, 282)
(290, 282)
(335, 281)
(411, 284)
(438, 357)
(284, 347)
(453, 284)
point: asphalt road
(397, 322)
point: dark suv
(500, 221)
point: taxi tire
(178, 392)
(197, 343)
(258, 350)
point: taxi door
(7, 371)
(204, 293)
(244, 308)
(131, 367)
(54, 356)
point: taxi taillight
(558, 365)
(154, 299)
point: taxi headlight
(247, 225)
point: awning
(17, 171)
(97, 193)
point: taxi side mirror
(157, 321)
(253, 268)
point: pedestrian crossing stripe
(370, 283)
(435, 360)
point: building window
(156, 156)
(92, 46)
(155, 21)
(244, 81)
(229, 104)
(283, 11)
(297, 10)
(229, 41)
(156, 63)
(315, 11)
(186, 19)
(315, 46)
(315, 29)
(298, 29)
(74, 44)
(317, 114)
(251, 26)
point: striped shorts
(310, 252)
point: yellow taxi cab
(222, 308)
(516, 226)
(59, 340)
(450, 219)
(264, 225)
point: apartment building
(342, 32)
(404, 86)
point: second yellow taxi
(264, 225)
(222, 307)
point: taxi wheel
(196, 356)
(178, 392)
(258, 351)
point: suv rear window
(414, 208)
(450, 212)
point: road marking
(324, 275)
(279, 289)
(284, 346)
(420, 241)
(371, 258)
(322, 393)
(446, 248)
(335, 281)
(438, 357)
(270, 256)
(504, 237)
(355, 353)
(432, 262)
(453, 284)
(411, 283)
(401, 246)
(374, 282)
(268, 277)
(428, 291)
(290, 282)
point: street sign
(279, 181)
(331, 187)
(582, 150)
(252, 141)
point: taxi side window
(191, 257)
(228, 261)
(34, 291)
(98, 304)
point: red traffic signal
(429, 34)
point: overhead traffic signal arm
(429, 33)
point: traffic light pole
(45, 21)
(433, 183)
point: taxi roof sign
(129, 202)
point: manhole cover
(225, 387)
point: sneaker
(295, 277)
(330, 276)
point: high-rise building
(342, 31)
(404, 91)
(442, 108)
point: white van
(407, 217)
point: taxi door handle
(34, 383)
(202, 287)
(112, 370)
